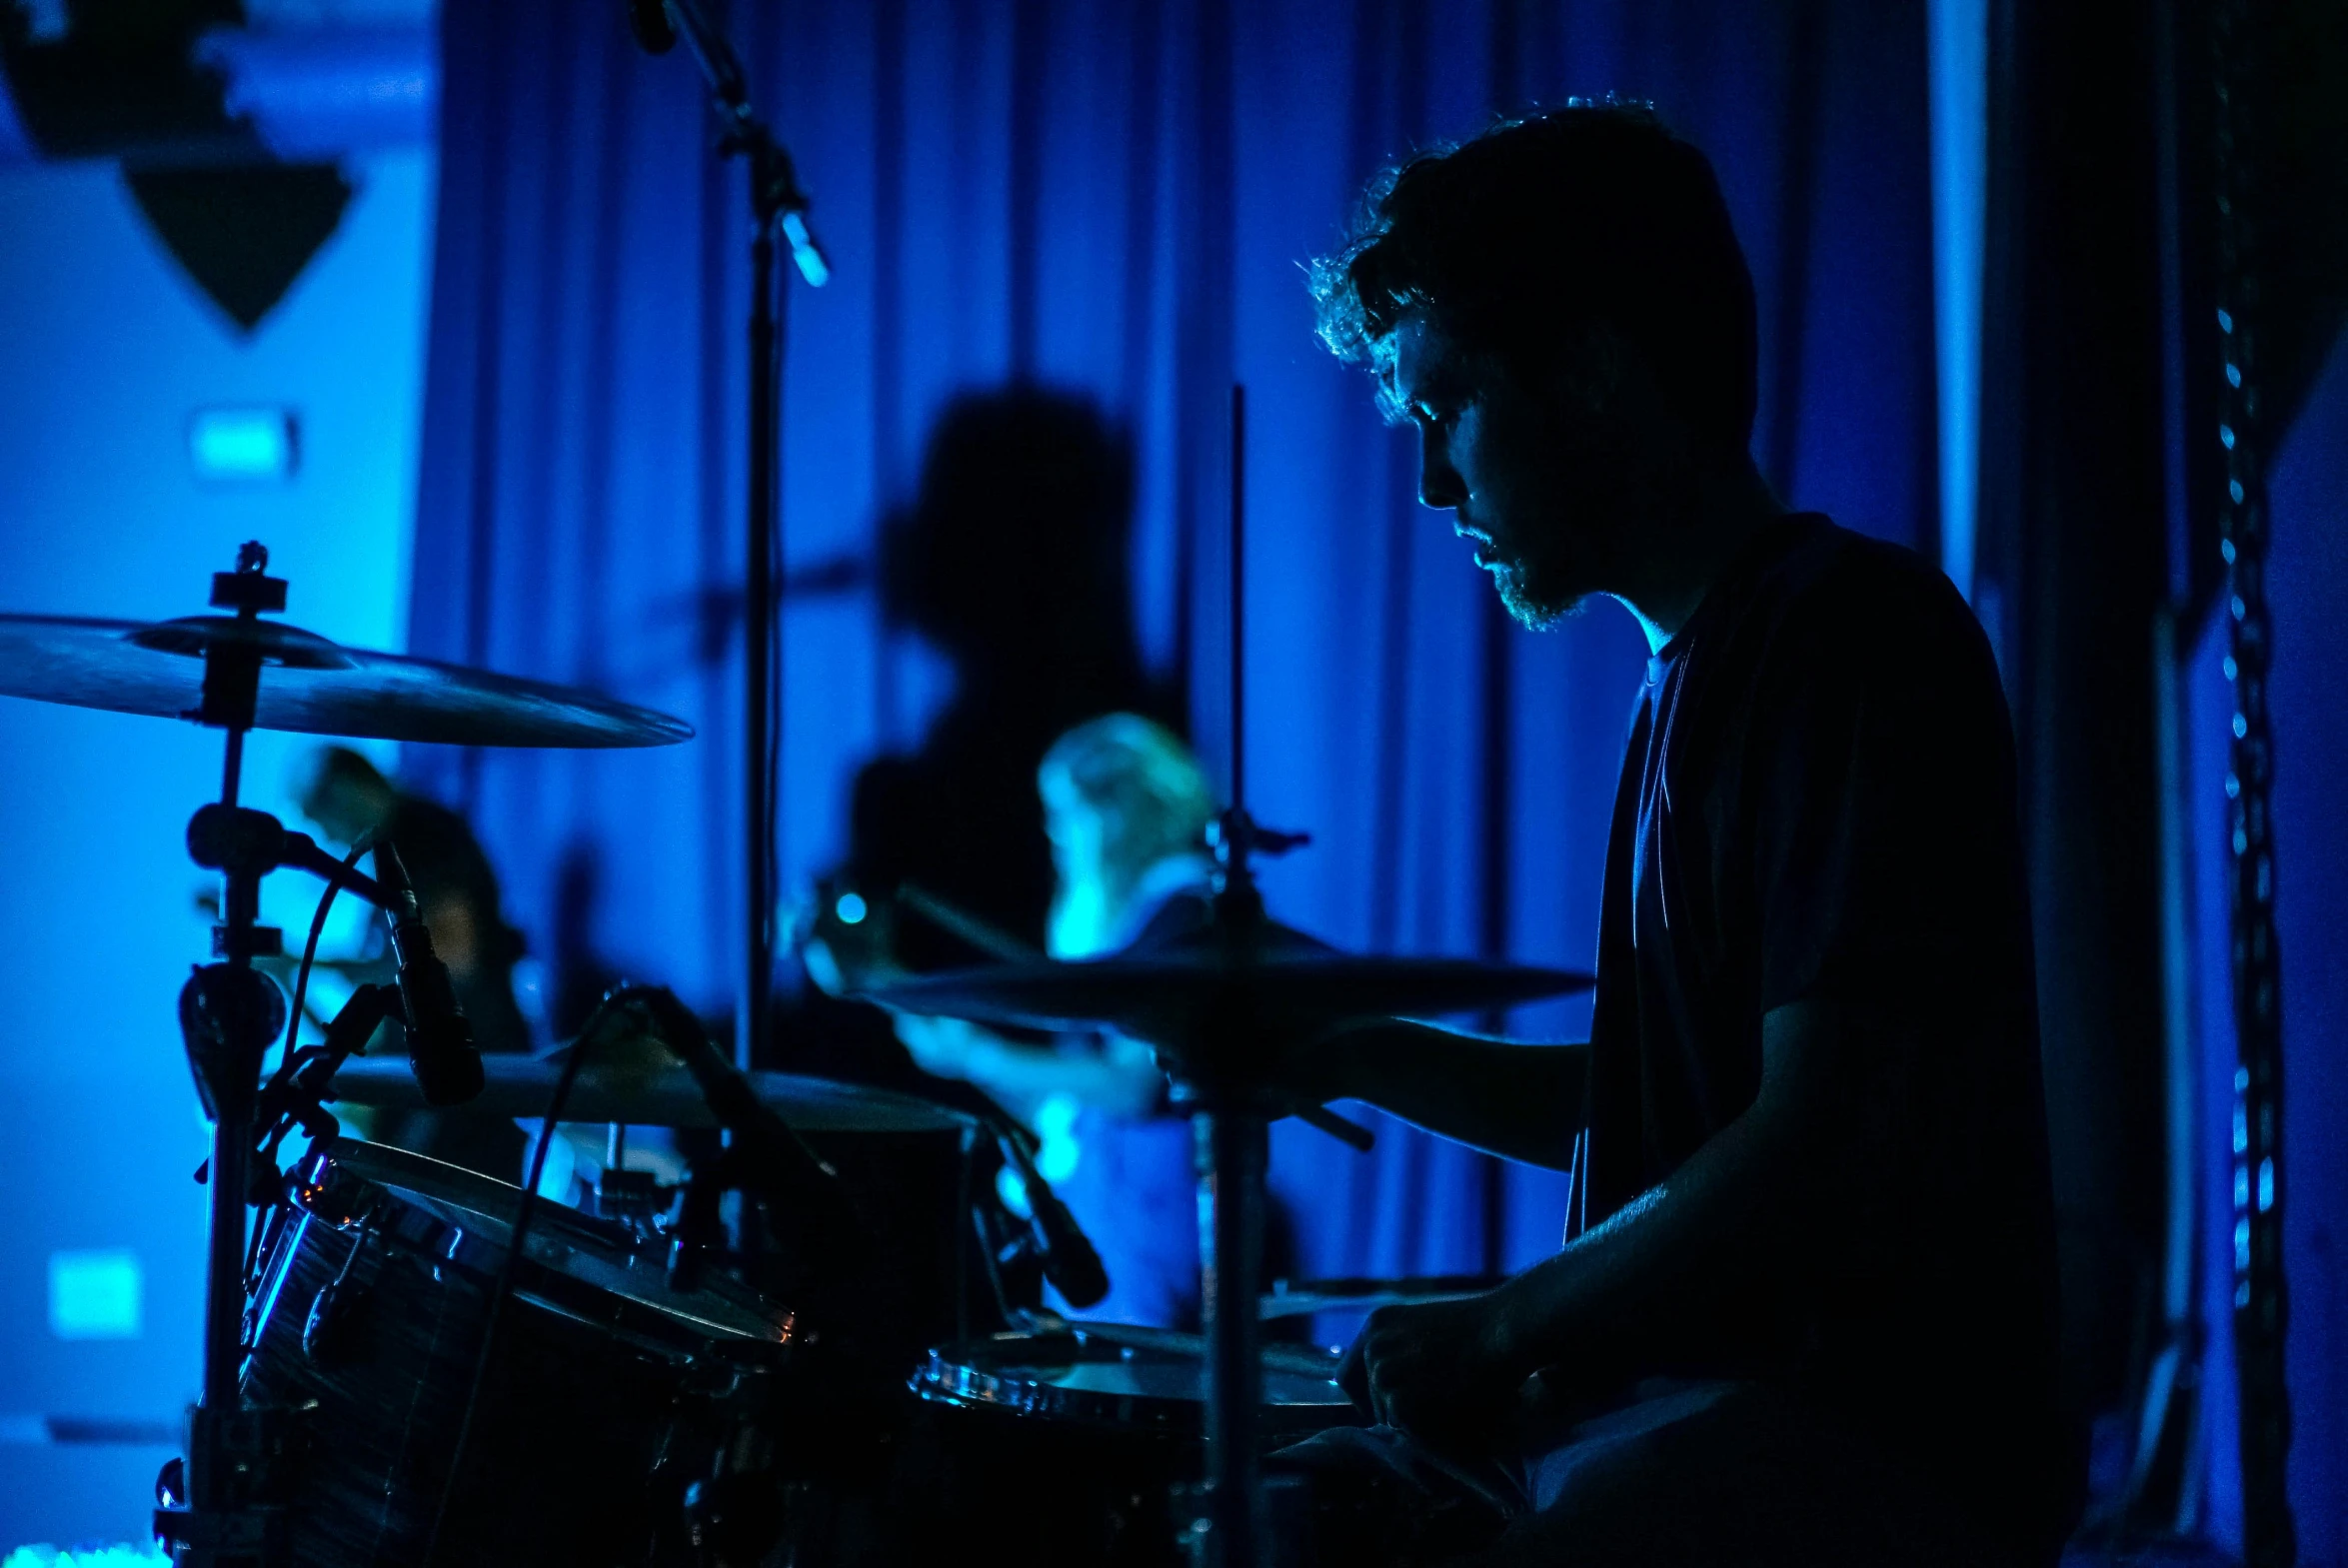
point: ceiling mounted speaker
(243, 233)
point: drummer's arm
(1747, 1180)
(1582, 1317)
(1521, 1103)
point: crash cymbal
(308, 685)
(1283, 973)
(664, 1097)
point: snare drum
(1121, 1378)
(1071, 1443)
(608, 1394)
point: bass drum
(609, 1394)
(1069, 1445)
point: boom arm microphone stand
(776, 204)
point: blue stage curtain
(1113, 199)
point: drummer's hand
(945, 1047)
(1434, 1370)
(1315, 1065)
(1321, 1062)
(844, 957)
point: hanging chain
(2260, 1309)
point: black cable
(524, 1213)
(293, 1022)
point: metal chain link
(2260, 1307)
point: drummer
(457, 892)
(1805, 1308)
(1125, 809)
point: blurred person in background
(457, 893)
(1126, 810)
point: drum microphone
(441, 1052)
(648, 21)
(1070, 1261)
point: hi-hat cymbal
(1302, 1297)
(309, 685)
(1284, 973)
(659, 1098)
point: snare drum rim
(346, 1183)
(955, 1376)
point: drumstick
(999, 943)
(988, 939)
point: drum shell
(915, 1194)
(596, 1412)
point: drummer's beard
(1540, 580)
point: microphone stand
(776, 204)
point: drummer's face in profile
(1544, 479)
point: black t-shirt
(1818, 804)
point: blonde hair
(1139, 777)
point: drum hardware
(632, 1197)
(225, 1504)
(228, 1016)
(300, 1316)
(295, 1094)
(612, 1392)
(327, 1329)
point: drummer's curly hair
(1516, 239)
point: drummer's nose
(1439, 482)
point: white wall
(105, 348)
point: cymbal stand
(1232, 1128)
(221, 1512)
(228, 1013)
(1221, 1078)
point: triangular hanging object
(243, 233)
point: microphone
(441, 1052)
(1070, 1261)
(648, 21)
(807, 1196)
